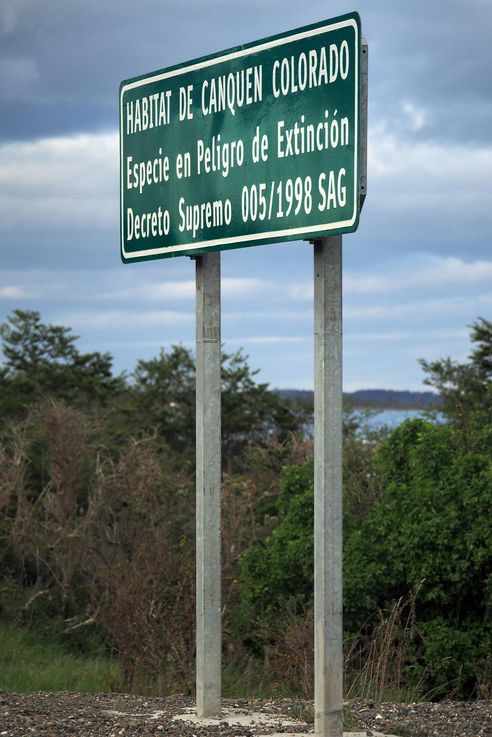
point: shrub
(427, 531)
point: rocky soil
(119, 715)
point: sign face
(254, 145)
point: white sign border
(228, 241)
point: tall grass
(27, 665)
(377, 666)
(379, 661)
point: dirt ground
(120, 715)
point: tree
(251, 411)
(164, 398)
(42, 360)
(465, 387)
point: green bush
(429, 533)
(452, 659)
(432, 530)
(278, 572)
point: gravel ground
(119, 715)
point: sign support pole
(208, 485)
(328, 655)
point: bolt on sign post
(258, 144)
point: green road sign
(252, 145)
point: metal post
(328, 656)
(364, 65)
(208, 486)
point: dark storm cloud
(61, 63)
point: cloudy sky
(417, 272)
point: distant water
(385, 418)
(391, 418)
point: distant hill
(380, 398)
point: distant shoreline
(377, 399)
